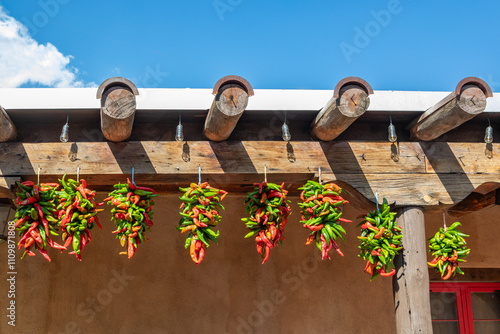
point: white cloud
(23, 60)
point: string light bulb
(65, 132)
(179, 131)
(488, 135)
(285, 131)
(392, 136)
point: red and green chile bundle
(200, 212)
(380, 241)
(35, 217)
(132, 213)
(77, 212)
(269, 210)
(321, 213)
(448, 248)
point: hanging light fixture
(488, 135)
(65, 132)
(392, 136)
(179, 131)
(285, 131)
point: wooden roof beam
(231, 99)
(350, 100)
(118, 108)
(8, 130)
(467, 101)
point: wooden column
(467, 101)
(411, 282)
(231, 99)
(118, 108)
(350, 100)
(8, 130)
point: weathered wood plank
(367, 167)
(8, 130)
(411, 282)
(6, 184)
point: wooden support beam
(427, 175)
(118, 108)
(6, 185)
(231, 99)
(467, 101)
(411, 282)
(474, 202)
(349, 102)
(8, 130)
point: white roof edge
(201, 99)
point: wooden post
(411, 282)
(230, 101)
(350, 101)
(467, 101)
(8, 130)
(117, 108)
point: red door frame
(462, 291)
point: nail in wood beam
(118, 108)
(231, 99)
(350, 100)
(8, 130)
(411, 282)
(467, 101)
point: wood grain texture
(411, 282)
(6, 185)
(339, 113)
(8, 130)
(474, 202)
(367, 167)
(448, 114)
(227, 108)
(118, 108)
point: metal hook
(376, 199)
(319, 175)
(78, 173)
(199, 174)
(38, 176)
(265, 173)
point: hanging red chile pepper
(200, 213)
(321, 210)
(77, 211)
(269, 210)
(448, 246)
(35, 217)
(132, 213)
(380, 241)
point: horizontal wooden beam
(425, 174)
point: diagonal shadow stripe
(444, 160)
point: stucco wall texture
(160, 290)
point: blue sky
(399, 45)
